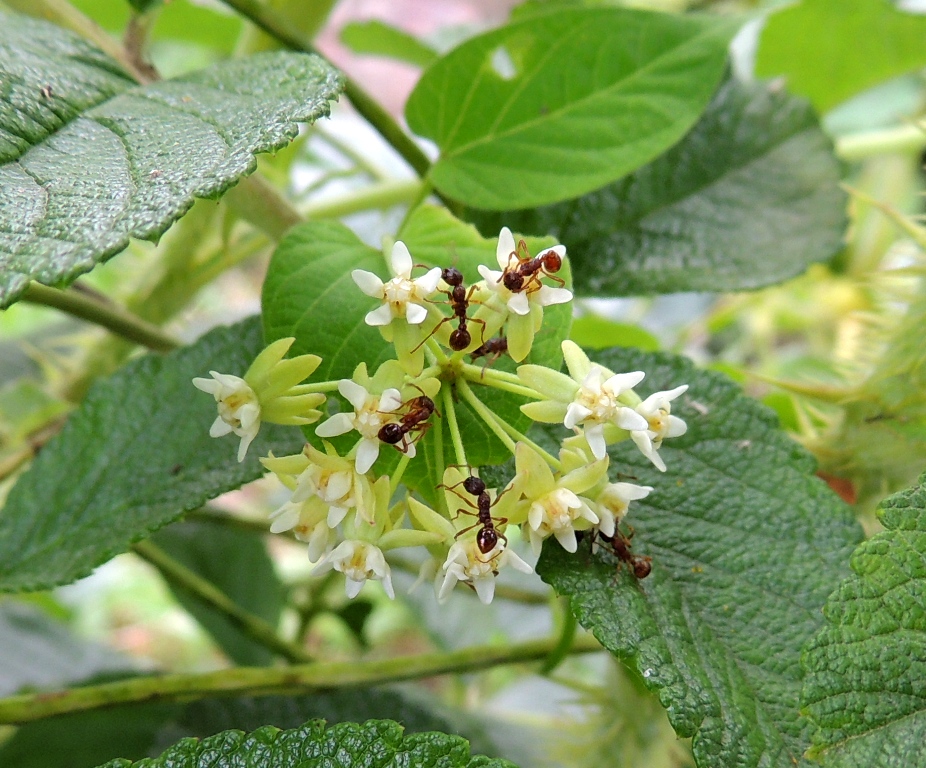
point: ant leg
(436, 329)
(482, 333)
(457, 493)
(556, 279)
(465, 512)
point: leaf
(380, 39)
(376, 742)
(417, 713)
(865, 667)
(238, 564)
(308, 293)
(598, 332)
(830, 50)
(135, 456)
(560, 103)
(748, 198)
(746, 545)
(39, 652)
(85, 739)
(88, 159)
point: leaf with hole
(90, 159)
(557, 104)
(746, 544)
(135, 456)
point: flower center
(369, 419)
(398, 292)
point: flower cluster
(347, 501)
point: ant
(459, 302)
(640, 565)
(415, 418)
(524, 275)
(491, 350)
(487, 536)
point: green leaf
(89, 160)
(308, 293)
(746, 544)
(238, 564)
(830, 50)
(416, 712)
(381, 39)
(560, 103)
(135, 456)
(40, 652)
(748, 198)
(597, 332)
(865, 668)
(376, 742)
(86, 739)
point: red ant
(415, 418)
(524, 275)
(459, 303)
(640, 565)
(487, 536)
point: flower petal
(594, 435)
(367, 282)
(547, 296)
(427, 284)
(415, 314)
(382, 315)
(677, 427)
(567, 539)
(577, 361)
(367, 453)
(575, 415)
(620, 382)
(519, 303)
(485, 588)
(390, 400)
(401, 260)
(338, 424)
(629, 419)
(506, 246)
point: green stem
(255, 627)
(455, 437)
(487, 415)
(260, 204)
(900, 139)
(426, 189)
(115, 319)
(491, 373)
(432, 345)
(399, 471)
(276, 25)
(474, 374)
(361, 162)
(385, 194)
(567, 637)
(255, 681)
(321, 386)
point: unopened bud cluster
(351, 515)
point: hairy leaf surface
(748, 198)
(135, 456)
(865, 669)
(560, 103)
(746, 544)
(90, 159)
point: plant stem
(474, 373)
(900, 139)
(455, 437)
(255, 627)
(260, 204)
(321, 386)
(254, 681)
(276, 25)
(385, 194)
(567, 636)
(114, 318)
(360, 161)
(397, 475)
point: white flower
(591, 396)
(556, 509)
(466, 563)
(612, 503)
(402, 296)
(525, 306)
(660, 424)
(520, 302)
(358, 561)
(370, 414)
(239, 408)
(307, 522)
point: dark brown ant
(46, 92)
(459, 303)
(524, 275)
(419, 410)
(639, 565)
(491, 350)
(487, 536)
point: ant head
(391, 433)
(513, 281)
(474, 485)
(486, 540)
(552, 261)
(460, 339)
(452, 276)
